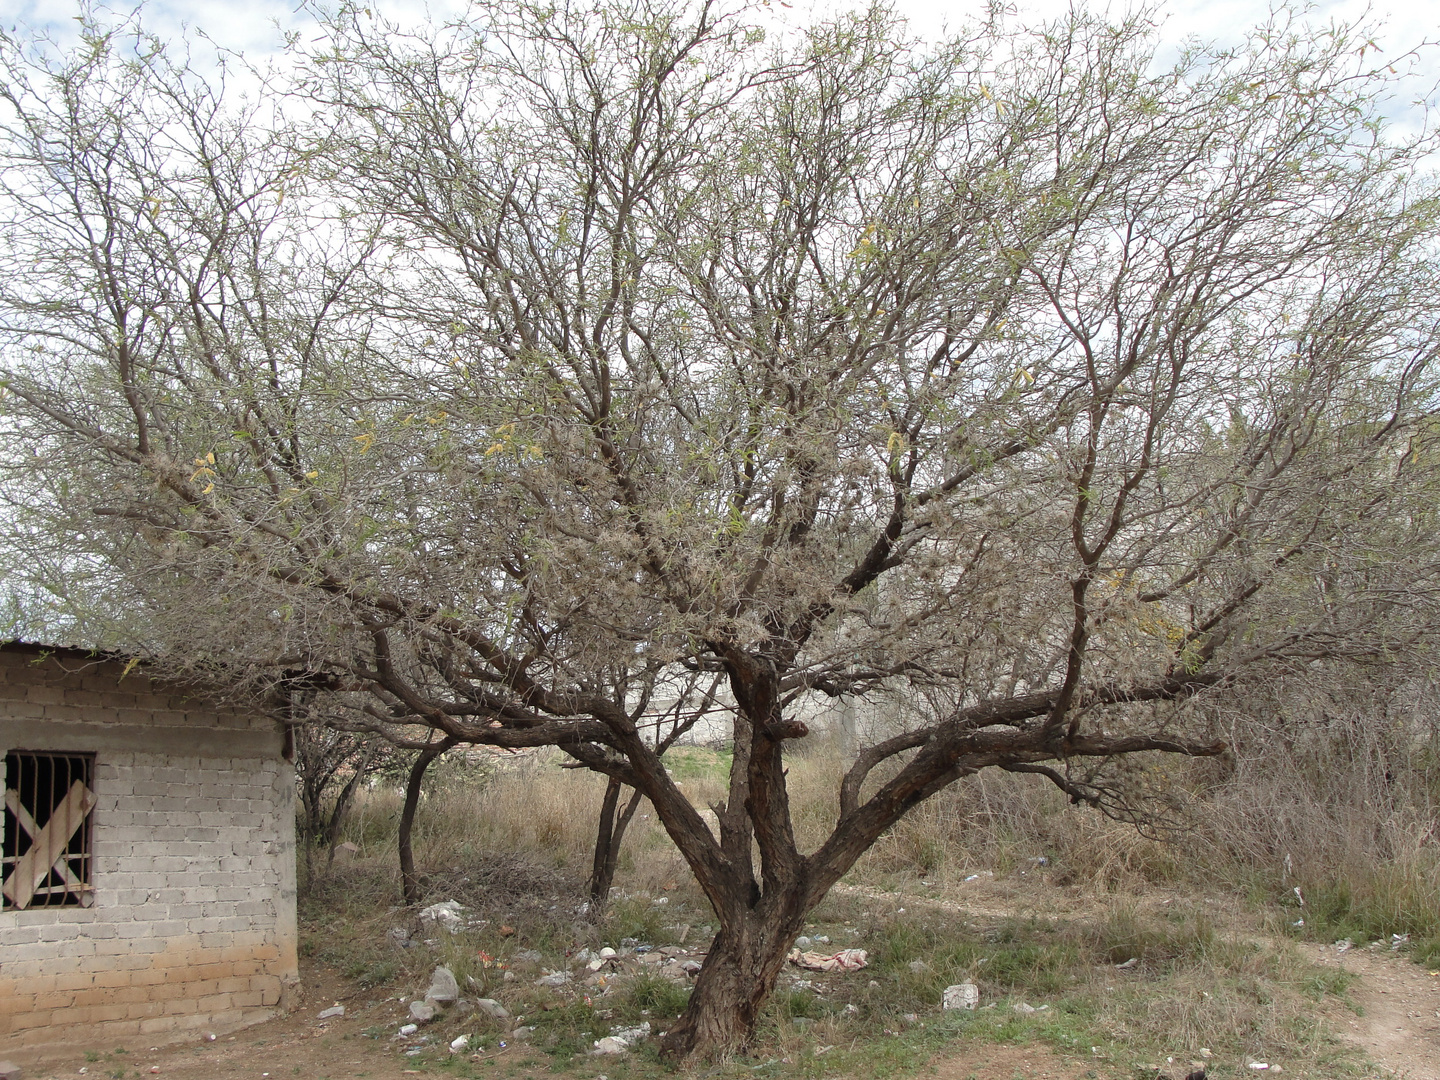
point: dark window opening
(46, 848)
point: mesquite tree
(574, 375)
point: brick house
(148, 859)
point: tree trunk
(342, 806)
(409, 882)
(738, 977)
(607, 843)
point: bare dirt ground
(297, 1045)
(1400, 1025)
(1397, 1026)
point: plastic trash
(844, 960)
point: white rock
(331, 1013)
(446, 914)
(492, 1007)
(422, 1012)
(1021, 1007)
(443, 987)
(964, 995)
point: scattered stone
(1128, 964)
(528, 956)
(446, 914)
(632, 1035)
(462, 1007)
(622, 1039)
(1344, 945)
(346, 852)
(443, 987)
(9, 1070)
(522, 1034)
(493, 1008)
(1022, 1007)
(507, 931)
(964, 995)
(422, 1012)
(918, 966)
(509, 976)
(691, 967)
(555, 978)
(331, 1013)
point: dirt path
(1400, 1025)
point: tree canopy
(572, 375)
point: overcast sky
(253, 26)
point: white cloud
(256, 27)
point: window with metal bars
(46, 851)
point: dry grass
(514, 844)
(1360, 841)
